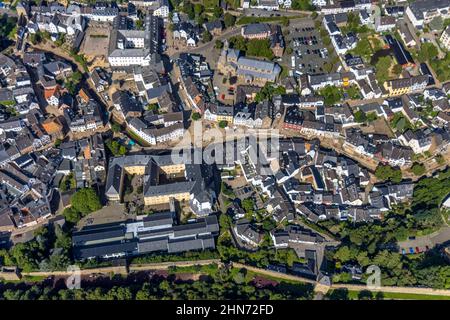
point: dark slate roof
(103, 249)
(157, 219)
(100, 232)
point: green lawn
(208, 269)
(401, 296)
(250, 274)
(26, 278)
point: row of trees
(223, 284)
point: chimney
(120, 44)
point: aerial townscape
(224, 149)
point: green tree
(440, 159)
(60, 40)
(200, 20)
(5, 258)
(72, 82)
(427, 52)
(353, 23)
(122, 150)
(331, 94)
(115, 147)
(303, 5)
(218, 44)
(58, 142)
(188, 8)
(397, 69)
(365, 295)
(238, 43)
(371, 116)
(34, 38)
(418, 169)
(344, 254)
(360, 116)
(196, 116)
(268, 92)
(363, 48)
(229, 20)
(217, 12)
(386, 172)
(338, 294)
(206, 36)
(224, 222)
(153, 107)
(382, 69)
(115, 127)
(198, 9)
(85, 201)
(139, 24)
(223, 124)
(248, 205)
(71, 215)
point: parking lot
(309, 54)
(415, 245)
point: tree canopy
(216, 284)
(387, 173)
(331, 94)
(229, 20)
(418, 169)
(83, 202)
